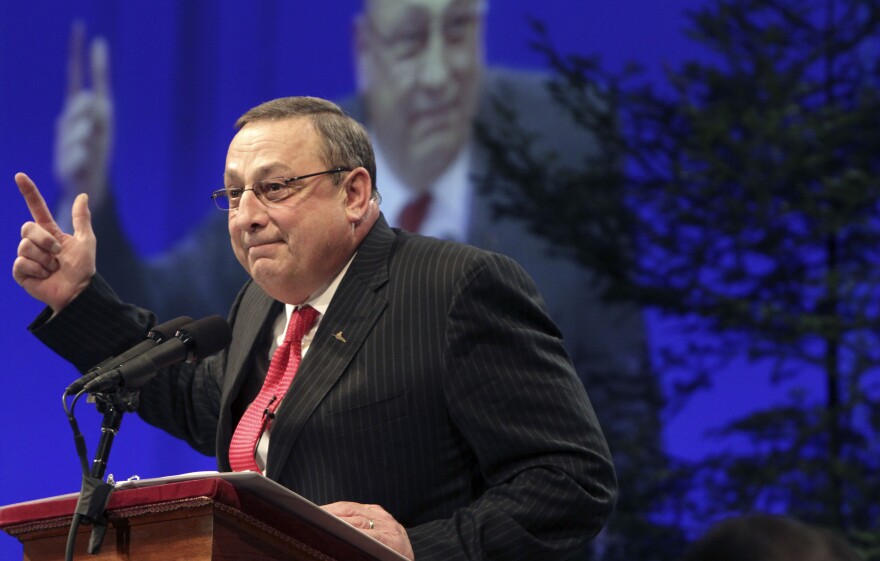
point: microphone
(158, 334)
(193, 341)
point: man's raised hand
(84, 133)
(52, 266)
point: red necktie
(283, 367)
(413, 214)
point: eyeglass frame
(291, 191)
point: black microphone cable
(82, 453)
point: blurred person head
(420, 63)
(763, 537)
(299, 187)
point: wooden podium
(222, 517)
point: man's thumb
(81, 216)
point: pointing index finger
(100, 67)
(36, 204)
(74, 59)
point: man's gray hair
(346, 142)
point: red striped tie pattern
(282, 369)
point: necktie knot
(301, 321)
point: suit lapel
(353, 311)
(254, 315)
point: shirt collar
(449, 213)
(321, 300)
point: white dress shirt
(320, 301)
(449, 214)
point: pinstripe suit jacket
(606, 341)
(448, 399)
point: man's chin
(262, 269)
(435, 152)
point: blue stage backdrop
(181, 73)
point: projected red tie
(414, 213)
(282, 369)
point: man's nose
(435, 70)
(251, 211)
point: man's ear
(358, 193)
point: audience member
(763, 537)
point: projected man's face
(419, 64)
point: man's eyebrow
(230, 179)
(263, 172)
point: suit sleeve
(183, 400)
(512, 392)
(94, 326)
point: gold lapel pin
(339, 336)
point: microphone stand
(95, 492)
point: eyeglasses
(272, 190)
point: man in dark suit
(422, 84)
(435, 406)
